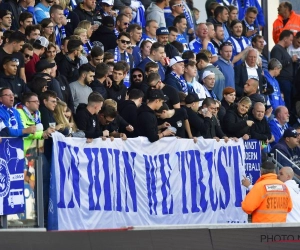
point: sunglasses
(126, 24)
(137, 76)
(28, 56)
(125, 41)
(178, 5)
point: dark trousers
(286, 88)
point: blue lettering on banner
(252, 160)
(139, 188)
(12, 161)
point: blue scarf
(116, 32)
(182, 82)
(117, 58)
(87, 47)
(188, 16)
(60, 33)
(12, 119)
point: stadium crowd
(128, 68)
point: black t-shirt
(177, 121)
(172, 94)
(17, 55)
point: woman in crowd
(228, 97)
(233, 14)
(47, 30)
(143, 52)
(51, 51)
(89, 31)
(235, 122)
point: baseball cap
(290, 132)
(162, 31)
(156, 94)
(192, 97)
(174, 60)
(43, 41)
(268, 165)
(108, 21)
(109, 2)
(3, 13)
(207, 73)
(43, 64)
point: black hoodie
(87, 122)
(128, 110)
(69, 68)
(117, 92)
(141, 85)
(106, 36)
(15, 83)
(147, 123)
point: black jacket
(235, 125)
(142, 85)
(69, 68)
(117, 125)
(72, 23)
(66, 91)
(87, 15)
(199, 125)
(128, 110)
(46, 118)
(260, 130)
(15, 83)
(99, 87)
(171, 51)
(106, 36)
(214, 130)
(147, 123)
(87, 122)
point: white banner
(118, 184)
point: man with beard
(122, 23)
(80, 89)
(138, 80)
(162, 35)
(68, 66)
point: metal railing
(292, 164)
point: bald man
(260, 129)
(286, 175)
(251, 90)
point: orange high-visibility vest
(293, 25)
(268, 201)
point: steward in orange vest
(269, 199)
(287, 20)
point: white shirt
(252, 72)
(294, 215)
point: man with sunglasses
(120, 53)
(9, 78)
(122, 23)
(137, 80)
(27, 51)
(176, 7)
